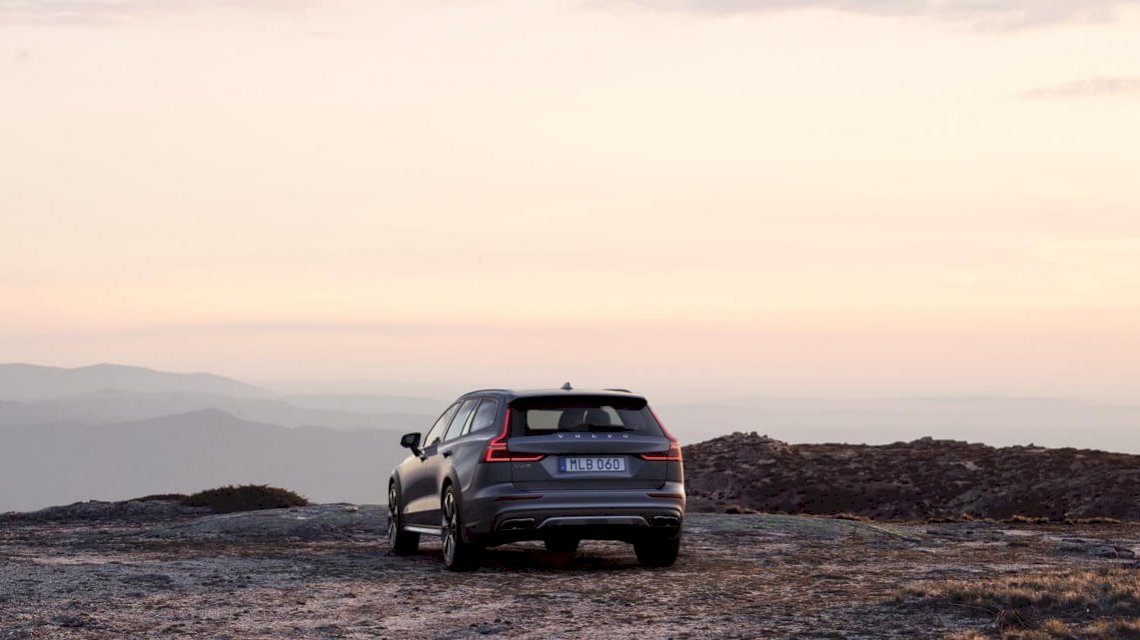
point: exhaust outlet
(516, 524)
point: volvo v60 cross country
(559, 466)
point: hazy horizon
(443, 390)
(112, 432)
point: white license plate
(581, 464)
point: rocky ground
(911, 480)
(108, 570)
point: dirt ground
(324, 572)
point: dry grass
(1097, 520)
(953, 519)
(1023, 519)
(1020, 519)
(851, 516)
(1087, 604)
(1054, 629)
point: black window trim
(466, 421)
(471, 420)
(453, 405)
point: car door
(416, 479)
(466, 453)
(437, 461)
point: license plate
(580, 464)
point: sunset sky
(823, 197)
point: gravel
(323, 572)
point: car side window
(484, 416)
(460, 419)
(433, 436)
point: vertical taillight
(673, 454)
(497, 447)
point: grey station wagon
(559, 466)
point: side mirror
(411, 441)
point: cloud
(993, 14)
(1085, 88)
(120, 11)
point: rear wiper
(604, 428)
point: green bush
(249, 497)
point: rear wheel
(561, 545)
(402, 542)
(657, 551)
(457, 554)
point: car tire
(562, 545)
(457, 554)
(402, 543)
(657, 551)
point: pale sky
(828, 197)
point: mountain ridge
(108, 406)
(57, 464)
(24, 381)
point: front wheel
(657, 552)
(457, 554)
(403, 543)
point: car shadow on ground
(532, 557)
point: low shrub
(161, 497)
(249, 497)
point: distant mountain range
(88, 396)
(101, 407)
(34, 382)
(59, 464)
(110, 431)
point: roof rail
(621, 390)
(487, 391)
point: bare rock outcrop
(925, 478)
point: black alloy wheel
(457, 554)
(402, 542)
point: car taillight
(672, 455)
(674, 452)
(497, 448)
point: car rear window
(582, 414)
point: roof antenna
(567, 387)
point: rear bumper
(503, 514)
